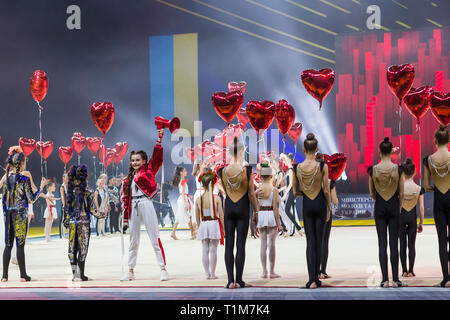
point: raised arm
(157, 157)
(32, 196)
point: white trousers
(143, 212)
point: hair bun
(442, 127)
(386, 139)
(310, 136)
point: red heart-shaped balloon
(103, 115)
(260, 114)
(318, 83)
(106, 155)
(27, 145)
(190, 153)
(117, 157)
(284, 116)
(237, 86)
(93, 144)
(336, 165)
(65, 154)
(417, 101)
(400, 79)
(38, 85)
(121, 149)
(44, 148)
(227, 104)
(295, 131)
(78, 143)
(242, 117)
(440, 106)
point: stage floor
(353, 265)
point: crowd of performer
(231, 202)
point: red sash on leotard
(211, 218)
(50, 209)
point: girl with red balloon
(386, 185)
(437, 167)
(312, 178)
(139, 187)
(17, 194)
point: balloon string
(40, 135)
(284, 143)
(95, 169)
(400, 131)
(420, 156)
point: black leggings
(387, 216)
(325, 241)
(20, 260)
(236, 219)
(290, 210)
(407, 234)
(441, 212)
(314, 218)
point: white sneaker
(164, 275)
(128, 276)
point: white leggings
(209, 257)
(269, 233)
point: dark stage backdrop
(266, 43)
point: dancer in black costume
(290, 208)
(326, 234)
(386, 182)
(312, 179)
(17, 194)
(237, 181)
(413, 195)
(437, 167)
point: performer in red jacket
(139, 187)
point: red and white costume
(138, 208)
(184, 205)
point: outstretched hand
(43, 182)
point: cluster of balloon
(106, 155)
(400, 80)
(318, 83)
(27, 145)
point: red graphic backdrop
(366, 109)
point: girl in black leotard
(237, 181)
(326, 234)
(437, 167)
(413, 194)
(312, 179)
(289, 196)
(386, 188)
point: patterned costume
(78, 222)
(15, 207)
